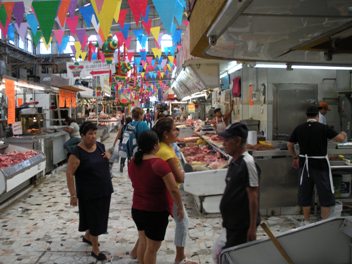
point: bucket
(345, 189)
(252, 137)
(335, 211)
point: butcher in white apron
(222, 121)
(313, 163)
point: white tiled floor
(41, 227)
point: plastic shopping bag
(115, 152)
(218, 246)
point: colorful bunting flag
(72, 23)
(36, 37)
(122, 17)
(11, 32)
(155, 32)
(147, 26)
(124, 30)
(165, 10)
(82, 36)
(146, 16)
(105, 16)
(18, 12)
(117, 11)
(22, 30)
(58, 33)
(138, 8)
(156, 52)
(87, 12)
(95, 23)
(5, 16)
(32, 22)
(99, 4)
(63, 44)
(61, 14)
(72, 7)
(46, 12)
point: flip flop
(100, 256)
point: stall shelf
(18, 175)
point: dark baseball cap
(312, 110)
(235, 130)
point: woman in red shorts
(152, 182)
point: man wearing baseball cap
(323, 110)
(239, 205)
(313, 162)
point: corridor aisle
(41, 226)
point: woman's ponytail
(138, 157)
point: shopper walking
(90, 186)
(152, 182)
(312, 137)
(239, 205)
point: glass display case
(32, 123)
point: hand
(252, 234)
(106, 155)
(295, 164)
(180, 212)
(73, 201)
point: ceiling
(290, 31)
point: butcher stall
(278, 180)
(18, 166)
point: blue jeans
(181, 230)
(71, 143)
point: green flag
(46, 12)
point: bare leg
(141, 247)
(325, 212)
(180, 254)
(133, 252)
(95, 244)
(306, 213)
(151, 250)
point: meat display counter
(51, 144)
(278, 180)
(18, 166)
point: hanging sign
(17, 128)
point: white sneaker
(305, 222)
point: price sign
(17, 128)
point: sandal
(100, 256)
(87, 241)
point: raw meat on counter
(202, 156)
(12, 158)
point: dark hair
(137, 112)
(217, 110)
(146, 143)
(86, 126)
(164, 124)
(128, 120)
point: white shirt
(75, 132)
(322, 119)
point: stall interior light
(307, 67)
(195, 95)
(235, 67)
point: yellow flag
(106, 15)
(171, 58)
(162, 74)
(156, 52)
(169, 67)
(142, 74)
(117, 11)
(47, 45)
(78, 49)
(83, 55)
(155, 32)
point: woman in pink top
(152, 180)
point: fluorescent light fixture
(271, 66)
(235, 68)
(231, 69)
(312, 67)
(304, 67)
(195, 95)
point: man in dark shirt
(239, 205)
(312, 138)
